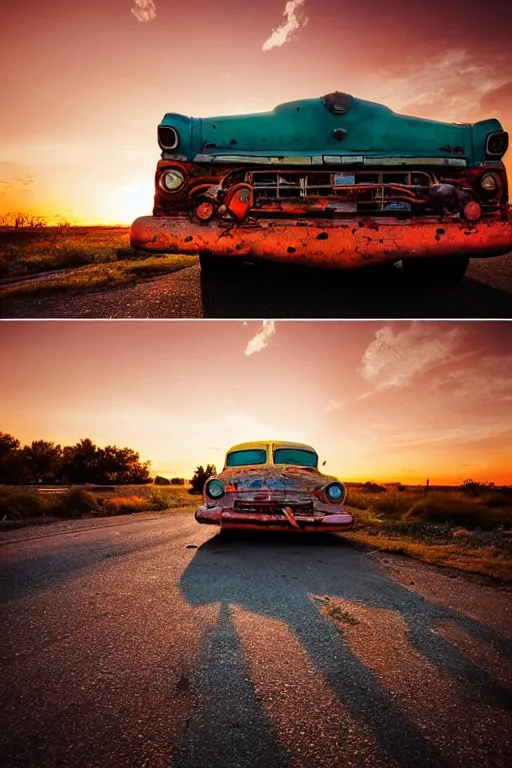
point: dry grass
(19, 506)
(30, 251)
(99, 276)
(491, 560)
(450, 528)
(336, 613)
(96, 257)
(169, 496)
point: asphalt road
(156, 642)
(277, 291)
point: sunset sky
(383, 401)
(85, 83)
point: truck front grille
(340, 191)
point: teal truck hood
(337, 125)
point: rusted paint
(289, 516)
(275, 497)
(350, 244)
(338, 103)
(239, 200)
(428, 191)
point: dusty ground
(157, 642)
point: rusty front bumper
(347, 244)
(227, 519)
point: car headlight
(172, 180)
(335, 492)
(168, 137)
(215, 489)
(497, 143)
(490, 182)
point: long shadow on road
(276, 578)
(281, 291)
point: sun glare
(125, 203)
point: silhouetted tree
(79, 462)
(12, 466)
(201, 475)
(472, 487)
(43, 460)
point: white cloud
(260, 341)
(295, 19)
(144, 10)
(393, 360)
(448, 87)
(332, 405)
(489, 380)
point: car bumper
(228, 519)
(346, 244)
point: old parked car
(334, 182)
(276, 486)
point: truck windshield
(244, 458)
(295, 456)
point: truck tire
(435, 271)
(218, 265)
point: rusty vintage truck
(274, 486)
(332, 182)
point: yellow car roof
(270, 444)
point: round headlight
(215, 489)
(335, 492)
(172, 180)
(489, 182)
(167, 137)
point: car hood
(274, 478)
(312, 127)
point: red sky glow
(382, 401)
(84, 84)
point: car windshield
(244, 458)
(295, 456)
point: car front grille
(273, 507)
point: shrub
(75, 503)
(371, 487)
(19, 505)
(473, 488)
(159, 480)
(462, 512)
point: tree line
(82, 463)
